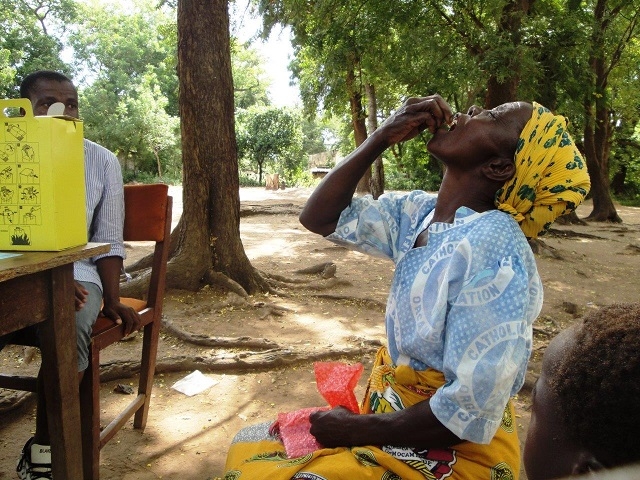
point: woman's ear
(499, 169)
(586, 462)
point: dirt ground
(264, 362)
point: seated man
(97, 278)
(585, 414)
(464, 295)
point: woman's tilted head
(480, 135)
(551, 176)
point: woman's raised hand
(414, 116)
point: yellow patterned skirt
(257, 455)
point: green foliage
(126, 76)
(409, 166)
(124, 61)
(303, 178)
(128, 90)
(417, 47)
(625, 165)
(7, 72)
(31, 38)
(146, 177)
(137, 128)
(118, 47)
(331, 39)
(271, 140)
(313, 133)
(249, 77)
(625, 146)
(247, 179)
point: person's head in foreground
(585, 414)
(46, 87)
(546, 178)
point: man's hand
(81, 295)
(121, 313)
(109, 269)
(414, 116)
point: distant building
(321, 163)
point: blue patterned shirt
(105, 208)
(462, 304)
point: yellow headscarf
(551, 176)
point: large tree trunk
(208, 234)
(510, 27)
(377, 177)
(359, 126)
(597, 164)
(597, 130)
(618, 180)
(499, 93)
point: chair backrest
(145, 212)
(147, 217)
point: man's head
(46, 87)
(584, 415)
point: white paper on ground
(194, 383)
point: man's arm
(109, 269)
(107, 226)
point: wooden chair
(147, 218)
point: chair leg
(147, 369)
(90, 416)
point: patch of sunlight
(318, 326)
(272, 241)
(559, 286)
(269, 229)
(354, 254)
(564, 287)
(268, 248)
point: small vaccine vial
(453, 122)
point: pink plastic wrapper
(336, 382)
(294, 431)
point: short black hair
(28, 83)
(598, 384)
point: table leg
(60, 375)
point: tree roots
(13, 399)
(237, 361)
(217, 342)
(539, 247)
(237, 353)
(220, 362)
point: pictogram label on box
(42, 186)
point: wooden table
(39, 287)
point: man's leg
(36, 454)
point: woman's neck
(462, 190)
